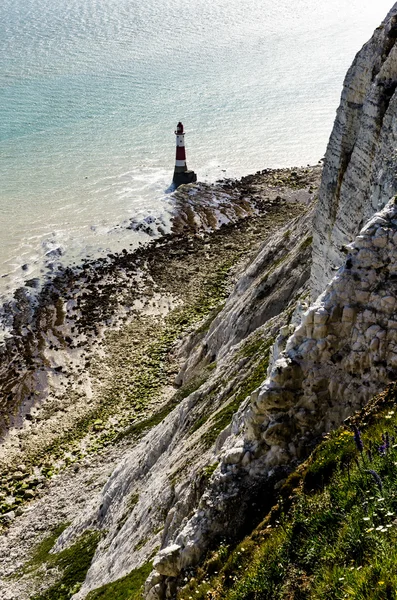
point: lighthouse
(181, 173)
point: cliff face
(189, 481)
(359, 174)
(343, 352)
(160, 486)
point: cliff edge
(359, 175)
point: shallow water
(91, 91)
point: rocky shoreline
(92, 361)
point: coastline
(101, 345)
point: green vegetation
(191, 386)
(21, 487)
(333, 533)
(127, 588)
(140, 544)
(69, 566)
(209, 469)
(150, 369)
(253, 378)
(204, 327)
(307, 242)
(133, 500)
(140, 355)
(254, 345)
(42, 550)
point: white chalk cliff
(154, 493)
(359, 175)
(181, 488)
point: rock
(315, 379)
(277, 434)
(234, 455)
(388, 303)
(168, 561)
(380, 239)
(156, 592)
(321, 316)
(348, 315)
(319, 332)
(154, 586)
(29, 494)
(8, 517)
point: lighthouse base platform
(184, 177)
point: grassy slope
(66, 570)
(127, 588)
(333, 534)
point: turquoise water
(91, 91)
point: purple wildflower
(376, 478)
(358, 440)
(383, 448)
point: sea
(91, 92)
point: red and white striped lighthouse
(180, 159)
(181, 173)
